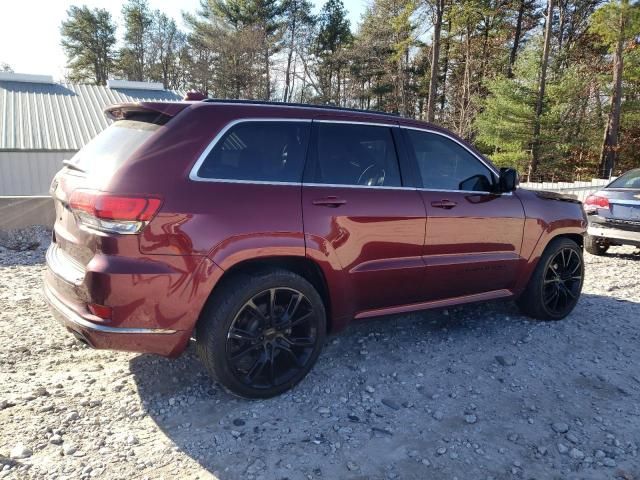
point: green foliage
(88, 39)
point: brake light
(593, 202)
(113, 213)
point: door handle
(446, 204)
(332, 202)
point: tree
(166, 47)
(297, 25)
(88, 39)
(544, 63)
(334, 37)
(137, 18)
(437, 7)
(5, 67)
(615, 23)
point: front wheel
(554, 288)
(261, 334)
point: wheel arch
(303, 266)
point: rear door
(473, 235)
(358, 212)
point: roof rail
(299, 105)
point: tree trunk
(535, 157)
(435, 57)
(287, 75)
(445, 68)
(516, 39)
(609, 152)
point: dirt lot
(473, 393)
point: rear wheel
(261, 334)
(554, 288)
(595, 246)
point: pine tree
(88, 39)
(133, 61)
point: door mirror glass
(476, 183)
(509, 179)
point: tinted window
(446, 165)
(350, 154)
(109, 149)
(628, 180)
(259, 151)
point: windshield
(628, 180)
(109, 149)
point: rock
(505, 360)
(542, 450)
(438, 415)
(572, 438)
(600, 454)
(441, 451)
(609, 462)
(55, 440)
(324, 411)
(352, 466)
(257, 466)
(238, 422)
(560, 427)
(20, 451)
(71, 416)
(577, 454)
(370, 389)
(391, 403)
(562, 448)
(69, 449)
(132, 440)
(471, 419)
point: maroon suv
(259, 228)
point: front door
(473, 235)
(357, 213)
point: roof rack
(299, 105)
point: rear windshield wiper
(72, 166)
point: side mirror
(509, 179)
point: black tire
(551, 283)
(595, 246)
(246, 358)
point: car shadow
(233, 438)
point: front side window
(259, 151)
(446, 165)
(351, 154)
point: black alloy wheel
(271, 338)
(562, 281)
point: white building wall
(29, 172)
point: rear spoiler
(122, 111)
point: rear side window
(628, 180)
(351, 154)
(111, 147)
(259, 151)
(446, 165)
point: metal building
(43, 123)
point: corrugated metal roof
(60, 116)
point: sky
(30, 29)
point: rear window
(259, 151)
(628, 180)
(109, 149)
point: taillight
(100, 311)
(594, 202)
(113, 213)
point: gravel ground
(477, 392)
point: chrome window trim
(193, 174)
(442, 134)
(338, 185)
(367, 123)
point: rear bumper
(165, 342)
(616, 235)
